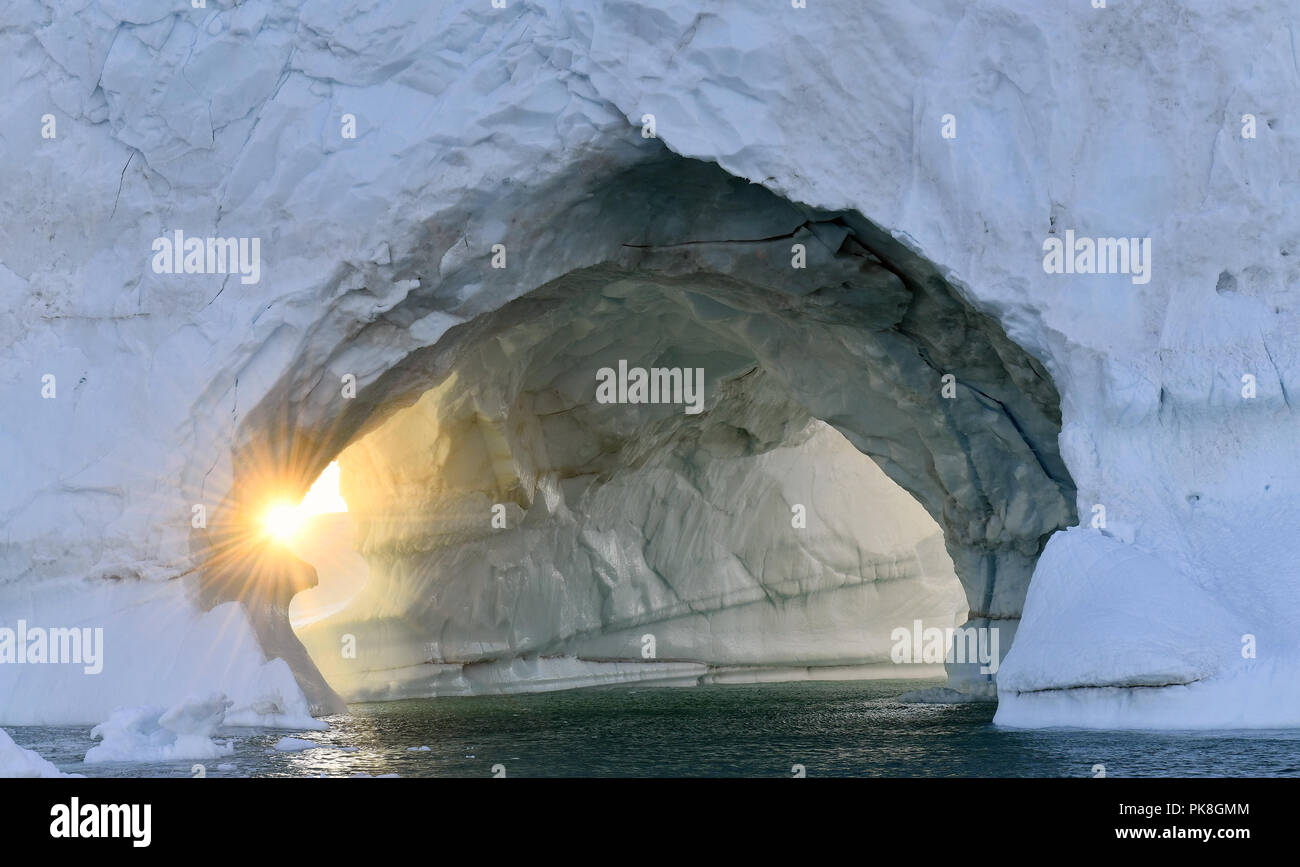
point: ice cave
(464, 214)
(753, 534)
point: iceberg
(456, 216)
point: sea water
(845, 729)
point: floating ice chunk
(153, 734)
(417, 749)
(295, 745)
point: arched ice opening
(622, 520)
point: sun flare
(284, 521)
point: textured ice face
(476, 127)
(619, 521)
(733, 559)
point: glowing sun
(283, 521)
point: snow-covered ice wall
(921, 154)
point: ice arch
(662, 261)
(480, 126)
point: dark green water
(851, 729)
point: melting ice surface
(855, 728)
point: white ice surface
(156, 734)
(158, 651)
(15, 761)
(472, 122)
